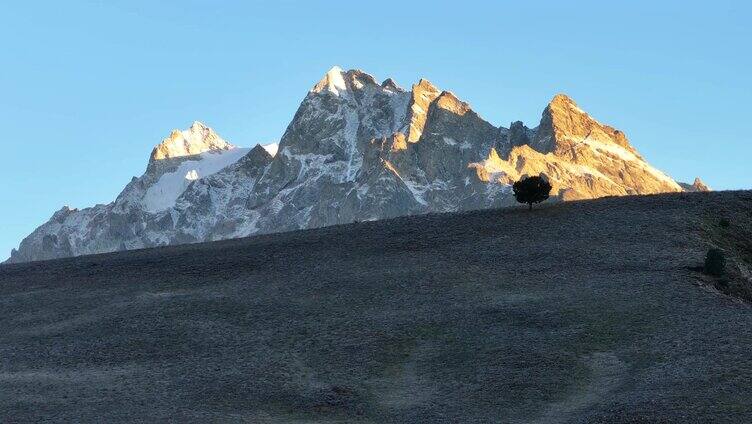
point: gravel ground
(575, 312)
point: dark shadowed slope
(577, 312)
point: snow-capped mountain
(355, 150)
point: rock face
(697, 185)
(197, 139)
(356, 149)
(581, 157)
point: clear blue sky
(87, 88)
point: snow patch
(355, 160)
(400, 101)
(163, 194)
(271, 148)
(625, 155)
(333, 82)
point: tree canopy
(531, 190)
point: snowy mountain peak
(333, 82)
(195, 140)
(354, 150)
(339, 82)
(198, 126)
(162, 193)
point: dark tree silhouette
(531, 190)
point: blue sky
(87, 88)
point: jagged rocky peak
(333, 81)
(390, 85)
(338, 82)
(253, 162)
(195, 140)
(62, 213)
(260, 153)
(448, 101)
(581, 157)
(697, 186)
(425, 86)
(423, 94)
(564, 124)
(354, 150)
(519, 134)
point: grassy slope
(583, 311)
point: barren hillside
(575, 312)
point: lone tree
(531, 190)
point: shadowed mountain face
(355, 150)
(443, 318)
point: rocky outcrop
(599, 160)
(519, 135)
(197, 139)
(697, 185)
(355, 150)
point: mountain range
(355, 150)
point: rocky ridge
(697, 185)
(355, 150)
